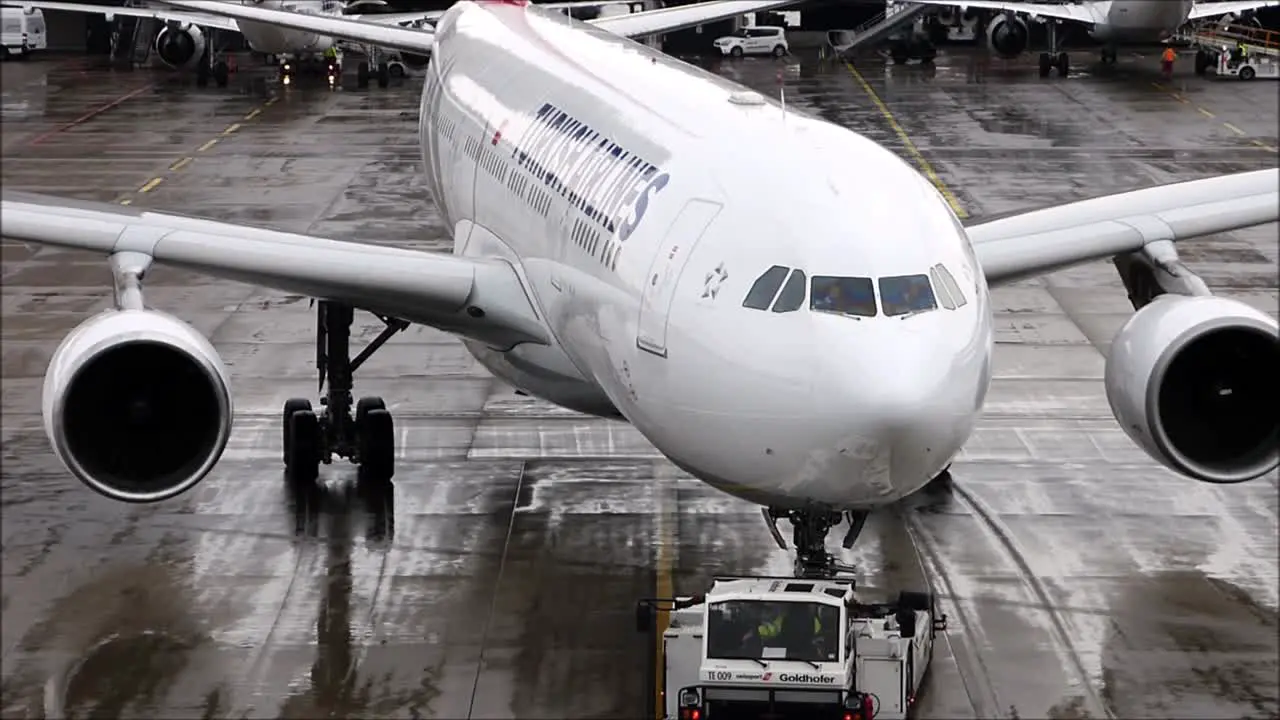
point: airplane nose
(886, 407)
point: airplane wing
(413, 40)
(1022, 245)
(1086, 13)
(483, 299)
(192, 18)
(1209, 9)
(401, 18)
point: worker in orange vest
(1166, 61)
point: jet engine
(180, 47)
(1008, 35)
(1193, 381)
(137, 405)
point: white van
(23, 30)
(756, 40)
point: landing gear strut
(809, 535)
(367, 437)
(213, 65)
(1054, 58)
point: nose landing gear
(809, 535)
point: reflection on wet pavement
(499, 580)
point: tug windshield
(773, 630)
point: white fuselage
(613, 178)
(1140, 20)
(276, 40)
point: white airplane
(182, 43)
(1110, 21)
(615, 253)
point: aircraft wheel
(303, 464)
(291, 406)
(202, 75)
(1064, 64)
(377, 439)
(1046, 65)
(736, 52)
(221, 73)
(1202, 62)
(362, 75)
(384, 76)
(363, 406)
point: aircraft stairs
(1216, 37)
(132, 38)
(878, 28)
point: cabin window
(843, 295)
(764, 288)
(907, 294)
(792, 295)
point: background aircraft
(1111, 21)
(595, 189)
(189, 39)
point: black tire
(221, 74)
(1247, 73)
(1046, 65)
(1064, 64)
(362, 75)
(202, 75)
(378, 464)
(384, 75)
(736, 52)
(363, 406)
(779, 51)
(291, 406)
(303, 465)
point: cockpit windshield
(773, 630)
(905, 294)
(843, 295)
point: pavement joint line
(186, 160)
(1204, 112)
(1233, 128)
(910, 146)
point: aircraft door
(674, 250)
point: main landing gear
(809, 535)
(213, 65)
(367, 437)
(1054, 58)
(377, 68)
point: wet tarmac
(1081, 579)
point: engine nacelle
(1193, 381)
(137, 405)
(180, 47)
(1008, 35)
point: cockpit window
(764, 288)
(946, 280)
(905, 294)
(944, 293)
(792, 295)
(844, 295)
